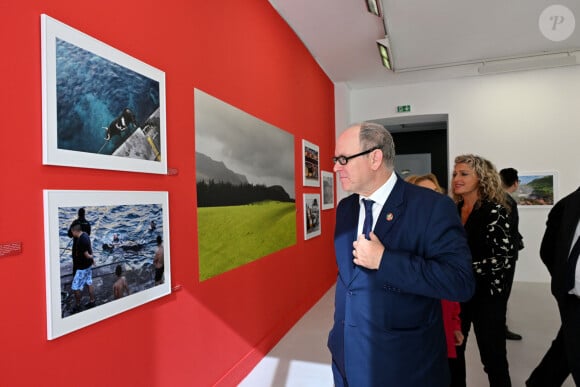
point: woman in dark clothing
(483, 209)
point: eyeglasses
(343, 160)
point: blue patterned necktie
(368, 223)
(572, 260)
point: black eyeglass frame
(343, 160)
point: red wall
(209, 333)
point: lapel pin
(389, 216)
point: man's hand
(368, 253)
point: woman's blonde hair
(416, 179)
(411, 179)
(433, 179)
(490, 187)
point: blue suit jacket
(558, 239)
(388, 329)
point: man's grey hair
(376, 135)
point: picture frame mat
(51, 29)
(309, 182)
(327, 176)
(308, 199)
(54, 199)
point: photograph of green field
(244, 166)
(232, 236)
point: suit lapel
(391, 211)
(346, 237)
(569, 223)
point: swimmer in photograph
(120, 124)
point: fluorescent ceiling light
(527, 63)
(385, 52)
(373, 7)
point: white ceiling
(432, 39)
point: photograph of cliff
(245, 187)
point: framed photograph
(327, 190)
(106, 252)
(536, 189)
(311, 215)
(245, 170)
(310, 164)
(101, 108)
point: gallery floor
(301, 359)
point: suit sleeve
(440, 264)
(548, 245)
(514, 221)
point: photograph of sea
(103, 107)
(120, 235)
(535, 189)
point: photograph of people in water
(112, 254)
(105, 252)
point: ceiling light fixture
(385, 52)
(527, 63)
(374, 8)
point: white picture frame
(310, 164)
(125, 231)
(327, 190)
(312, 218)
(101, 108)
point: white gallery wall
(527, 120)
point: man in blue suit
(388, 329)
(558, 251)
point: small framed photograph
(310, 164)
(311, 215)
(327, 190)
(536, 189)
(101, 108)
(106, 252)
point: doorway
(421, 145)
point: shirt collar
(381, 195)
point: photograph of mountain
(536, 189)
(245, 187)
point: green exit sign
(403, 108)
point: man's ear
(377, 159)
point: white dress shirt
(379, 197)
(576, 289)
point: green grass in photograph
(232, 236)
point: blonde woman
(428, 181)
(481, 203)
